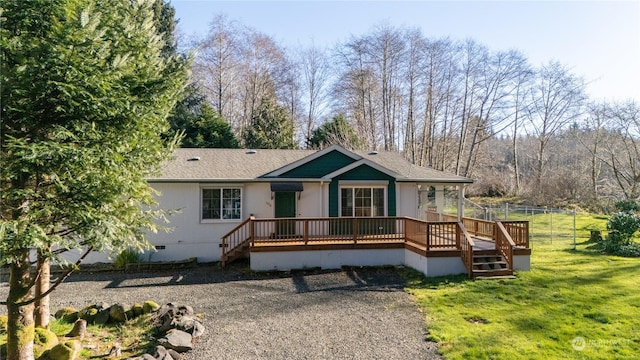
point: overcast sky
(599, 40)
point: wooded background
(454, 105)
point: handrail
(466, 248)
(504, 243)
(235, 238)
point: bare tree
(315, 71)
(622, 147)
(555, 100)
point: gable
(320, 166)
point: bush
(622, 226)
(129, 256)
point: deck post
(252, 230)
(428, 235)
(306, 231)
(458, 234)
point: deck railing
(347, 229)
(504, 243)
(519, 231)
(466, 248)
(432, 236)
(236, 238)
(440, 234)
(478, 227)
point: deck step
(498, 277)
(490, 265)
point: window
(362, 201)
(221, 204)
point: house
(303, 208)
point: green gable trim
(317, 168)
(362, 173)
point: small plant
(128, 256)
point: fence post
(551, 225)
(574, 229)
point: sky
(598, 40)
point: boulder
(88, 314)
(102, 317)
(43, 341)
(118, 313)
(137, 310)
(149, 307)
(185, 310)
(146, 357)
(68, 350)
(177, 340)
(67, 314)
(161, 353)
(189, 324)
(79, 329)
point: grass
(570, 299)
(135, 336)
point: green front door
(285, 207)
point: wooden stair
(237, 252)
(490, 264)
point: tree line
(453, 105)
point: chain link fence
(547, 225)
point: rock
(79, 329)
(175, 355)
(190, 325)
(102, 317)
(68, 350)
(149, 307)
(116, 350)
(67, 314)
(146, 357)
(88, 314)
(43, 341)
(185, 310)
(161, 353)
(177, 340)
(137, 310)
(117, 313)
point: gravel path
(359, 313)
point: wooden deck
(443, 238)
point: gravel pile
(358, 313)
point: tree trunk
(20, 325)
(42, 311)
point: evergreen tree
(85, 95)
(209, 130)
(271, 128)
(335, 132)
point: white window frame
(220, 188)
(362, 186)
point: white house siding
(407, 199)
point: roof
(200, 164)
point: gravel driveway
(356, 313)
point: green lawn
(573, 304)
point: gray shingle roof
(245, 165)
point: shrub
(622, 226)
(128, 256)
